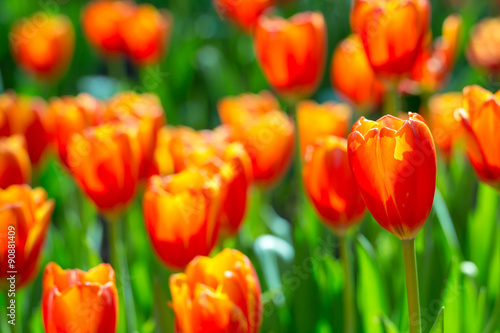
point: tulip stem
(348, 292)
(392, 102)
(412, 285)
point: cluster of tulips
(195, 184)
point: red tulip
(245, 13)
(77, 301)
(220, 294)
(331, 186)
(292, 52)
(15, 167)
(394, 162)
(480, 117)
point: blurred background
(296, 257)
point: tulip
(435, 62)
(482, 50)
(292, 52)
(331, 186)
(245, 13)
(146, 112)
(43, 44)
(220, 294)
(444, 126)
(78, 301)
(26, 116)
(102, 20)
(146, 34)
(394, 162)
(25, 215)
(361, 87)
(72, 115)
(316, 121)
(266, 133)
(182, 215)
(104, 161)
(480, 117)
(15, 167)
(392, 32)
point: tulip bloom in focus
(220, 294)
(482, 50)
(394, 162)
(26, 116)
(28, 212)
(266, 133)
(101, 21)
(78, 301)
(182, 215)
(72, 115)
(480, 117)
(15, 167)
(435, 62)
(392, 32)
(292, 52)
(144, 111)
(331, 186)
(320, 120)
(104, 161)
(445, 128)
(245, 13)
(43, 44)
(359, 86)
(146, 34)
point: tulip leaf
(445, 221)
(438, 326)
(387, 325)
(453, 298)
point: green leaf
(438, 326)
(388, 326)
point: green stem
(412, 285)
(348, 292)
(494, 318)
(392, 102)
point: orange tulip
(316, 121)
(245, 13)
(392, 32)
(78, 301)
(146, 111)
(361, 86)
(15, 167)
(70, 115)
(25, 215)
(26, 116)
(394, 162)
(266, 133)
(292, 52)
(182, 215)
(482, 50)
(480, 117)
(105, 163)
(43, 44)
(436, 61)
(101, 21)
(146, 34)
(220, 294)
(445, 128)
(331, 186)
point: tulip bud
(146, 34)
(331, 186)
(25, 215)
(15, 167)
(78, 301)
(43, 44)
(480, 117)
(394, 162)
(392, 32)
(292, 52)
(182, 215)
(321, 120)
(220, 294)
(104, 161)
